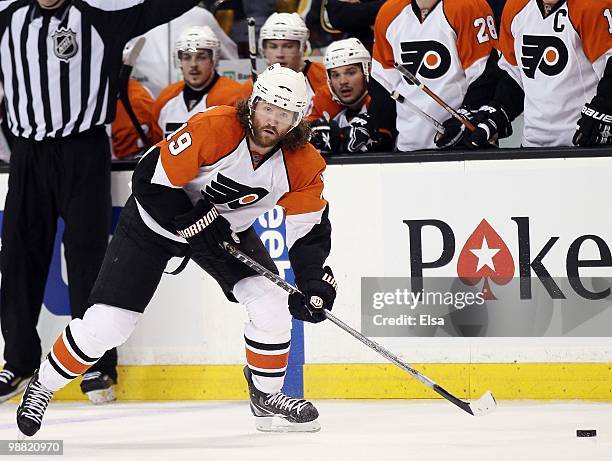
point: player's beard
(263, 139)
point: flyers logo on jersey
(224, 190)
(428, 58)
(545, 53)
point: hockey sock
(268, 333)
(268, 364)
(83, 342)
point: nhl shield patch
(65, 44)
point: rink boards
(189, 343)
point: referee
(59, 65)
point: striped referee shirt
(60, 68)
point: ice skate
(280, 413)
(99, 387)
(32, 407)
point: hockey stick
(124, 80)
(428, 118)
(481, 407)
(413, 79)
(252, 47)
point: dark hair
(295, 139)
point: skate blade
(277, 424)
(102, 396)
(19, 390)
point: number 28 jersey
(447, 51)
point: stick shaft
(413, 79)
(252, 47)
(418, 112)
(465, 406)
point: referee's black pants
(70, 178)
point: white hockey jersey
(170, 110)
(558, 60)
(210, 155)
(447, 51)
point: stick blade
(484, 405)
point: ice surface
(351, 430)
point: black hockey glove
(360, 135)
(454, 130)
(325, 136)
(319, 292)
(205, 229)
(492, 124)
(595, 125)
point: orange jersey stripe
(68, 361)
(473, 23)
(271, 362)
(382, 51)
(506, 39)
(594, 27)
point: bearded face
(270, 123)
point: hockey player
(195, 54)
(206, 184)
(283, 39)
(343, 100)
(447, 44)
(557, 61)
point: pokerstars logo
(545, 53)
(486, 258)
(428, 58)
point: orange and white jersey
(124, 137)
(315, 77)
(210, 155)
(170, 110)
(558, 60)
(323, 103)
(447, 51)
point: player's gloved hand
(205, 229)
(595, 125)
(319, 292)
(454, 130)
(360, 135)
(491, 123)
(325, 136)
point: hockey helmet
(285, 26)
(344, 53)
(284, 88)
(196, 38)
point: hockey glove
(318, 288)
(454, 130)
(205, 229)
(325, 136)
(492, 124)
(595, 125)
(360, 135)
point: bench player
(283, 39)
(340, 106)
(557, 58)
(195, 53)
(206, 184)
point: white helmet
(196, 38)
(282, 87)
(344, 53)
(284, 26)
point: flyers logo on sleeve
(427, 58)
(545, 53)
(224, 190)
